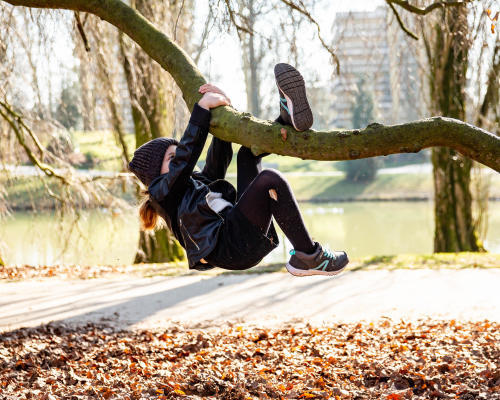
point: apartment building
(371, 44)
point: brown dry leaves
(386, 360)
(18, 272)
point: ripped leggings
(255, 202)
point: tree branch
(18, 126)
(302, 10)
(419, 11)
(265, 136)
(423, 11)
(401, 23)
(239, 28)
(81, 31)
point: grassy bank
(101, 149)
(102, 153)
(390, 262)
(26, 193)
(29, 193)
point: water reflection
(101, 237)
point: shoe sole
(291, 83)
(310, 272)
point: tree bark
(153, 113)
(265, 136)
(158, 246)
(250, 59)
(454, 227)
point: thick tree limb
(265, 136)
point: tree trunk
(153, 112)
(250, 59)
(88, 113)
(454, 227)
(454, 230)
(158, 246)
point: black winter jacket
(179, 196)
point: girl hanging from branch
(217, 225)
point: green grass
(26, 193)
(23, 192)
(335, 188)
(326, 188)
(105, 151)
(386, 262)
(102, 147)
(282, 163)
(440, 261)
(428, 261)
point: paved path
(264, 299)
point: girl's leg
(258, 206)
(248, 166)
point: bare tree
(263, 136)
(151, 93)
(447, 37)
(29, 130)
(153, 97)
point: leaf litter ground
(390, 360)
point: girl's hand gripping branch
(212, 97)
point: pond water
(102, 237)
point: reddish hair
(147, 213)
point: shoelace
(283, 104)
(329, 254)
(326, 252)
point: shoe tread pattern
(291, 82)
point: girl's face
(169, 154)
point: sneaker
(294, 107)
(321, 262)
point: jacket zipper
(189, 236)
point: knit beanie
(148, 158)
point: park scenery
(249, 199)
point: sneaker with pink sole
(320, 262)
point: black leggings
(255, 202)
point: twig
(419, 11)
(306, 13)
(177, 20)
(17, 126)
(233, 20)
(79, 25)
(401, 23)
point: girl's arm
(220, 152)
(219, 157)
(189, 149)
